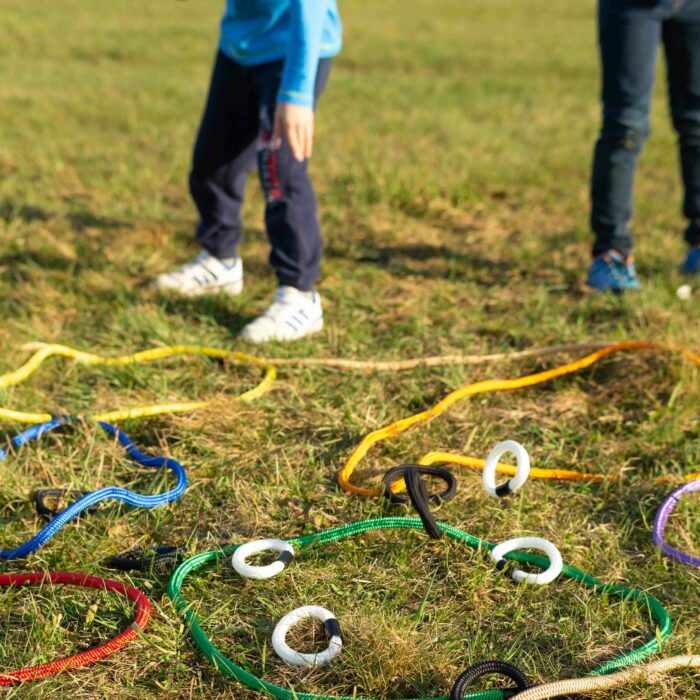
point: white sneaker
(292, 315)
(204, 275)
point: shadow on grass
(80, 220)
(44, 259)
(44, 256)
(397, 259)
(216, 307)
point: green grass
(451, 165)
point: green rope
(230, 669)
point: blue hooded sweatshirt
(300, 32)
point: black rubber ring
(45, 511)
(333, 628)
(441, 473)
(506, 567)
(503, 490)
(285, 556)
(145, 558)
(418, 492)
(487, 668)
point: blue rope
(136, 500)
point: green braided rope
(229, 668)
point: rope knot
(418, 492)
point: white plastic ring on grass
(239, 563)
(521, 475)
(556, 564)
(296, 658)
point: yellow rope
(490, 385)
(535, 473)
(44, 351)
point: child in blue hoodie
(273, 63)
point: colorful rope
(143, 615)
(484, 387)
(136, 500)
(84, 358)
(153, 559)
(217, 658)
(662, 516)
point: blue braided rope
(136, 500)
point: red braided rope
(143, 615)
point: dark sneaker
(611, 272)
(691, 264)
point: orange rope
(483, 387)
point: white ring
(238, 560)
(521, 475)
(556, 564)
(296, 658)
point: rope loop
(92, 499)
(661, 520)
(556, 564)
(297, 658)
(521, 475)
(488, 668)
(240, 556)
(89, 656)
(232, 669)
(418, 491)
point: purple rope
(667, 507)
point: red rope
(143, 615)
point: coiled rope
(661, 519)
(91, 499)
(45, 351)
(229, 668)
(489, 668)
(483, 387)
(153, 559)
(649, 672)
(143, 615)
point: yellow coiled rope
(483, 387)
(44, 351)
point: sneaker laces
(191, 264)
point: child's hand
(296, 123)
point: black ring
(393, 475)
(145, 558)
(333, 629)
(487, 668)
(285, 556)
(418, 493)
(45, 511)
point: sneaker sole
(315, 327)
(231, 289)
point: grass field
(451, 163)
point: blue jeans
(630, 32)
(234, 138)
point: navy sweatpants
(234, 137)
(630, 34)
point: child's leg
(290, 212)
(629, 36)
(682, 43)
(224, 155)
